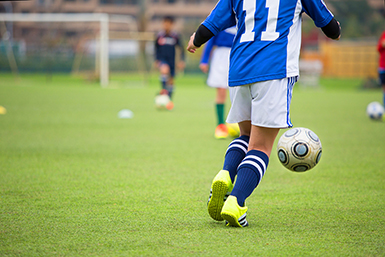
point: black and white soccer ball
(162, 101)
(299, 149)
(375, 110)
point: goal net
(93, 44)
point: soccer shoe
(233, 129)
(221, 131)
(220, 190)
(233, 213)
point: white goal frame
(102, 18)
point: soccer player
(381, 67)
(219, 46)
(166, 43)
(263, 70)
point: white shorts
(265, 104)
(219, 68)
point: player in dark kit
(166, 43)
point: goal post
(104, 66)
(103, 19)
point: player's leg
(170, 86)
(220, 99)
(249, 174)
(164, 70)
(170, 81)
(245, 127)
(237, 150)
(218, 79)
(269, 112)
(383, 94)
(381, 75)
(254, 165)
(223, 182)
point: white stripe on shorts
(290, 85)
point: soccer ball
(299, 149)
(375, 110)
(162, 101)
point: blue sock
(170, 90)
(250, 173)
(234, 155)
(163, 81)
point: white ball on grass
(375, 110)
(299, 149)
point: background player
(263, 70)
(381, 66)
(218, 47)
(165, 44)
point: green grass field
(77, 181)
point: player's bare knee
(164, 69)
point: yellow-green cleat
(220, 190)
(234, 214)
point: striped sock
(170, 90)
(234, 155)
(250, 173)
(163, 81)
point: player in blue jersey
(263, 70)
(165, 44)
(218, 47)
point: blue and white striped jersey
(268, 39)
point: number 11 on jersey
(272, 17)
(270, 34)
